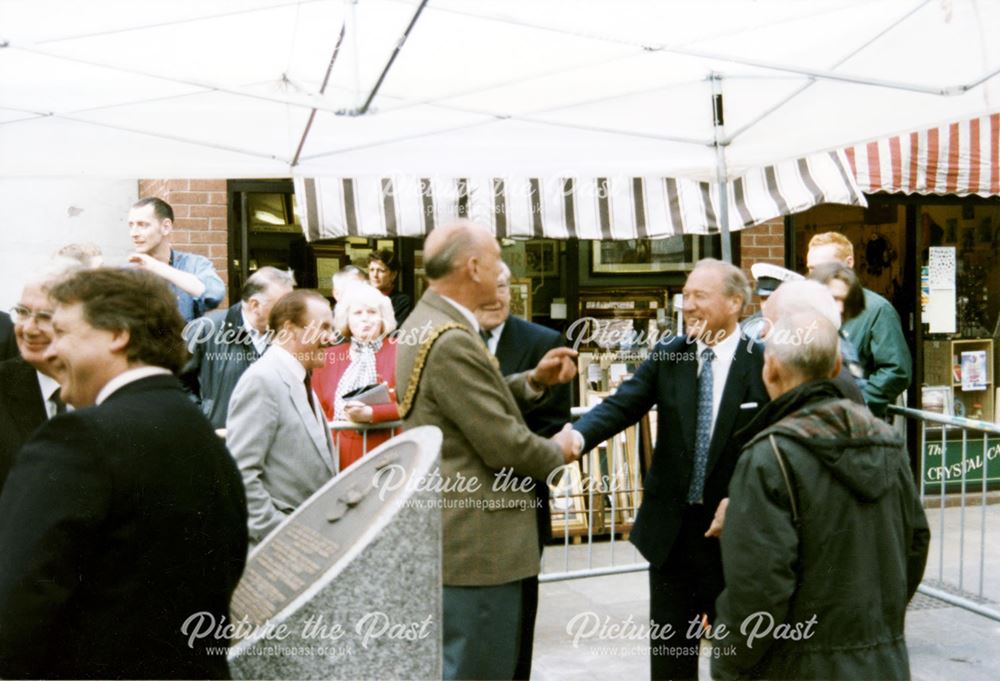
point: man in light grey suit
(276, 430)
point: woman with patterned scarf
(368, 357)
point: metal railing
(948, 496)
(605, 502)
(598, 500)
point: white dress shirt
(466, 312)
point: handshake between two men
(558, 366)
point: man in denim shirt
(191, 277)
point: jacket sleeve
(547, 415)
(215, 289)
(759, 552)
(385, 412)
(891, 357)
(53, 504)
(250, 431)
(633, 399)
(471, 395)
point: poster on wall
(974, 370)
(941, 311)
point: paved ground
(946, 643)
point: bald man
(450, 380)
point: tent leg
(720, 167)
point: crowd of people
(150, 440)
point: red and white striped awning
(601, 208)
(962, 159)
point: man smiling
(122, 518)
(706, 387)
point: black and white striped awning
(602, 208)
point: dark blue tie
(703, 438)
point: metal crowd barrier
(594, 504)
(948, 497)
(602, 504)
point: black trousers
(681, 590)
(529, 610)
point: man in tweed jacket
(450, 380)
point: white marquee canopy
(477, 88)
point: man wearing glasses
(29, 384)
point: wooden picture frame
(520, 298)
(327, 260)
(645, 256)
(541, 258)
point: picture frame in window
(520, 298)
(645, 256)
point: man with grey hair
(706, 387)
(800, 296)
(450, 380)
(224, 343)
(30, 381)
(823, 521)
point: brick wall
(762, 243)
(200, 217)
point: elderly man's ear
(837, 366)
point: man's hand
(146, 262)
(359, 412)
(555, 367)
(185, 281)
(715, 529)
(568, 443)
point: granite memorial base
(349, 586)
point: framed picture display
(520, 298)
(644, 256)
(541, 258)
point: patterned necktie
(485, 335)
(703, 437)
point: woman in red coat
(365, 318)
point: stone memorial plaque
(349, 586)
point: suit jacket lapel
(732, 396)
(296, 391)
(27, 399)
(686, 387)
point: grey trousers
(482, 631)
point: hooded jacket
(824, 598)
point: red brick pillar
(200, 218)
(762, 243)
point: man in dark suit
(706, 388)
(8, 346)
(519, 345)
(29, 382)
(224, 343)
(123, 522)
